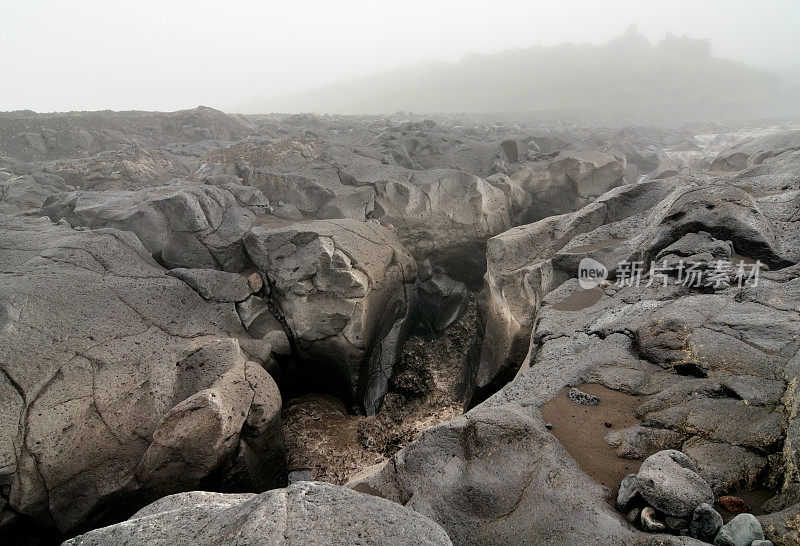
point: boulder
(755, 150)
(131, 168)
(498, 474)
(573, 179)
(742, 530)
(445, 216)
(29, 192)
(781, 527)
(633, 223)
(627, 495)
(119, 382)
(668, 481)
(646, 158)
(442, 214)
(345, 289)
(182, 225)
(442, 301)
(303, 513)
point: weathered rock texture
(212, 252)
(303, 513)
(345, 289)
(704, 360)
(181, 225)
(119, 382)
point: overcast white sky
(165, 55)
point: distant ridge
(628, 73)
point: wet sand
(580, 299)
(594, 246)
(271, 221)
(746, 261)
(581, 430)
(757, 193)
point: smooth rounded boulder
(669, 482)
(303, 513)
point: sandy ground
(582, 429)
(325, 443)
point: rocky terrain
(332, 329)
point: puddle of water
(594, 246)
(580, 299)
(582, 429)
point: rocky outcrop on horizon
(627, 77)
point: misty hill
(626, 74)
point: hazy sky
(165, 55)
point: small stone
(676, 524)
(706, 523)
(548, 426)
(762, 543)
(582, 398)
(254, 279)
(741, 531)
(649, 521)
(734, 505)
(609, 424)
(628, 494)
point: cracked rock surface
(715, 370)
(181, 225)
(163, 275)
(345, 289)
(120, 383)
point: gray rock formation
(29, 192)
(215, 285)
(211, 253)
(755, 151)
(742, 530)
(119, 382)
(303, 513)
(441, 300)
(629, 224)
(441, 214)
(345, 289)
(706, 523)
(28, 136)
(703, 362)
(181, 225)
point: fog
(236, 55)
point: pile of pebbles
(669, 496)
